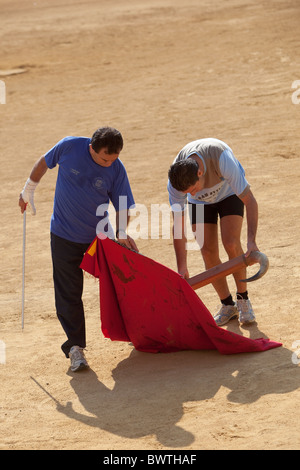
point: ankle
(228, 301)
(242, 295)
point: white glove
(28, 194)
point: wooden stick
(229, 267)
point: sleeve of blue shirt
(52, 157)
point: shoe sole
(228, 320)
(247, 322)
(81, 366)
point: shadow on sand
(151, 389)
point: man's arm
(27, 194)
(122, 221)
(252, 221)
(179, 243)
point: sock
(228, 300)
(242, 295)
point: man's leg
(68, 286)
(211, 258)
(204, 220)
(210, 253)
(231, 226)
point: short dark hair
(107, 137)
(183, 174)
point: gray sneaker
(246, 314)
(225, 314)
(78, 361)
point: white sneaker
(225, 314)
(78, 361)
(246, 314)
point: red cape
(153, 307)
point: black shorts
(208, 213)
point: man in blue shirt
(207, 176)
(90, 175)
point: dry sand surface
(164, 72)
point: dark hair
(183, 174)
(107, 137)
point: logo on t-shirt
(98, 183)
(209, 195)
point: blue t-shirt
(84, 190)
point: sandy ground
(164, 72)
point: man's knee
(232, 247)
(210, 256)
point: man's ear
(199, 173)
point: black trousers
(68, 287)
